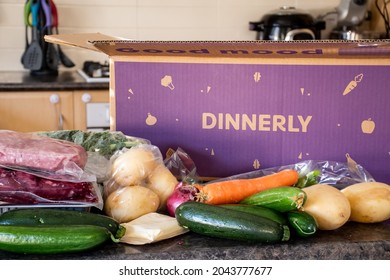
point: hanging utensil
(27, 24)
(51, 58)
(65, 60)
(32, 58)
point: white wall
(145, 19)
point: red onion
(182, 193)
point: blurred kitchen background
(165, 20)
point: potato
(128, 203)
(328, 205)
(163, 183)
(134, 166)
(370, 202)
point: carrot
(233, 191)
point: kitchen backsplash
(145, 20)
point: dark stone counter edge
(65, 80)
(53, 86)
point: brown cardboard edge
(259, 61)
(112, 96)
(81, 40)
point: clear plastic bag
(337, 174)
(43, 155)
(129, 167)
(20, 188)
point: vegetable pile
(145, 201)
(274, 207)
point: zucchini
(258, 211)
(51, 216)
(282, 199)
(216, 221)
(52, 239)
(302, 223)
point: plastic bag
(338, 174)
(133, 166)
(43, 155)
(38, 170)
(182, 166)
(151, 228)
(99, 145)
(20, 188)
(105, 143)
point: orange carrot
(233, 191)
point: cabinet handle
(55, 100)
(86, 98)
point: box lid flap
(81, 40)
(114, 46)
(248, 49)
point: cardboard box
(239, 106)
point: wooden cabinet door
(36, 111)
(83, 97)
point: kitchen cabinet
(84, 111)
(48, 110)
(34, 103)
(36, 111)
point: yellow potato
(370, 202)
(128, 203)
(134, 166)
(163, 183)
(328, 205)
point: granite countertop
(65, 80)
(353, 241)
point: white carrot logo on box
(353, 84)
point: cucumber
(52, 239)
(258, 211)
(216, 221)
(282, 199)
(302, 223)
(51, 216)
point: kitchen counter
(65, 80)
(353, 241)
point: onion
(181, 194)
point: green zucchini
(51, 216)
(52, 239)
(259, 211)
(302, 223)
(215, 221)
(282, 199)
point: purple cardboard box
(239, 106)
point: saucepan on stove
(287, 24)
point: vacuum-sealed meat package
(27, 150)
(23, 188)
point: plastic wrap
(104, 143)
(18, 188)
(182, 166)
(138, 183)
(99, 145)
(151, 228)
(42, 154)
(42, 171)
(129, 167)
(337, 174)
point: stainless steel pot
(287, 24)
